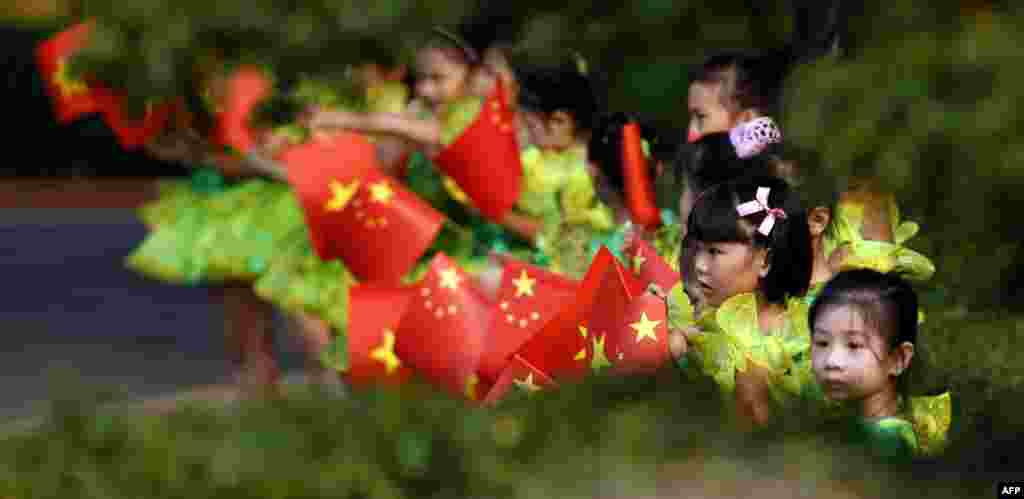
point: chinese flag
(441, 335)
(357, 213)
(246, 87)
(484, 161)
(640, 343)
(528, 298)
(639, 186)
(648, 266)
(573, 342)
(72, 98)
(518, 375)
(134, 133)
(375, 312)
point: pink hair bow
(759, 204)
(752, 137)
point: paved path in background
(69, 305)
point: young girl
(864, 332)
(733, 88)
(752, 259)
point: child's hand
(678, 343)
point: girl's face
(725, 269)
(442, 78)
(850, 356)
(708, 114)
(550, 131)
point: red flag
(519, 375)
(648, 267)
(246, 87)
(72, 98)
(528, 298)
(357, 213)
(639, 187)
(375, 312)
(640, 343)
(484, 161)
(133, 133)
(441, 335)
(573, 342)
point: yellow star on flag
(471, 383)
(600, 360)
(386, 352)
(450, 279)
(69, 86)
(381, 192)
(645, 328)
(341, 194)
(524, 285)
(527, 384)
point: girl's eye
(715, 251)
(821, 344)
(855, 346)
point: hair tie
(470, 52)
(759, 204)
(751, 138)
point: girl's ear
(818, 219)
(763, 260)
(902, 354)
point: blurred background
(927, 96)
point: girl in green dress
(864, 333)
(752, 262)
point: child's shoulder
(891, 437)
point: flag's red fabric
(484, 161)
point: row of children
(497, 162)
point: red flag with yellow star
(648, 266)
(72, 98)
(573, 343)
(246, 87)
(528, 298)
(518, 375)
(640, 343)
(134, 133)
(357, 213)
(639, 187)
(441, 335)
(374, 315)
(484, 161)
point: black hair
(556, 87)
(714, 219)
(492, 24)
(886, 298)
(712, 160)
(747, 79)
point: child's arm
(525, 226)
(424, 132)
(752, 397)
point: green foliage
(617, 436)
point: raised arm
(425, 133)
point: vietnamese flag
(484, 161)
(649, 267)
(72, 98)
(518, 375)
(528, 298)
(375, 312)
(355, 212)
(441, 335)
